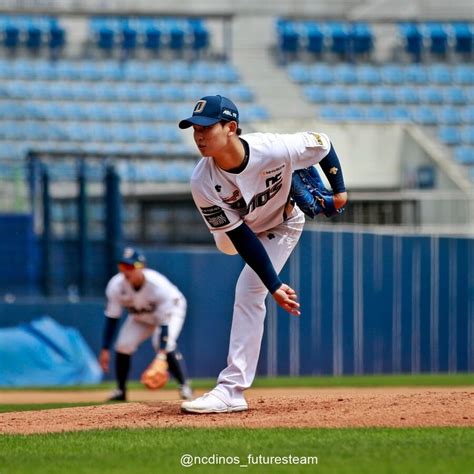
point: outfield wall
(371, 303)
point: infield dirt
(268, 408)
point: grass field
(376, 451)
(140, 451)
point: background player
(155, 307)
(242, 189)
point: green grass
(42, 406)
(342, 451)
(402, 380)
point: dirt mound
(295, 408)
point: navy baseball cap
(131, 256)
(210, 110)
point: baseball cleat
(209, 403)
(117, 396)
(186, 392)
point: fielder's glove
(156, 375)
(310, 194)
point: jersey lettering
(149, 308)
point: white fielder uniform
(157, 303)
(257, 196)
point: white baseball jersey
(259, 193)
(154, 303)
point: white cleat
(209, 403)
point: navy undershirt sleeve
(328, 163)
(255, 255)
(109, 332)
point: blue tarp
(42, 353)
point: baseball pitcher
(251, 190)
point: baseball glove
(310, 194)
(156, 374)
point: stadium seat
(315, 39)
(330, 113)
(11, 37)
(152, 39)
(362, 39)
(467, 135)
(454, 96)
(464, 155)
(438, 38)
(392, 74)
(299, 73)
(448, 115)
(340, 39)
(464, 38)
(467, 115)
(337, 95)
(440, 74)
(368, 75)
(400, 113)
(176, 39)
(449, 136)
(361, 95)
(463, 74)
(322, 74)
(377, 114)
(34, 38)
(345, 74)
(424, 116)
(431, 96)
(416, 74)
(408, 95)
(412, 39)
(384, 95)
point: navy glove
(310, 194)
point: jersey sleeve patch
(313, 139)
(215, 216)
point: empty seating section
(314, 38)
(176, 35)
(438, 95)
(32, 33)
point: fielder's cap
(131, 256)
(210, 110)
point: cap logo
(199, 106)
(128, 253)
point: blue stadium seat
(289, 40)
(57, 37)
(464, 38)
(345, 74)
(412, 39)
(353, 113)
(11, 37)
(449, 115)
(314, 39)
(392, 74)
(362, 39)
(226, 72)
(384, 95)
(464, 155)
(172, 93)
(241, 93)
(299, 73)
(200, 38)
(340, 39)
(34, 38)
(378, 114)
(455, 96)
(431, 95)
(361, 95)
(128, 39)
(105, 39)
(438, 37)
(152, 39)
(463, 74)
(467, 135)
(176, 38)
(408, 95)
(416, 74)
(330, 113)
(468, 115)
(440, 74)
(400, 113)
(322, 74)
(369, 75)
(424, 116)
(337, 95)
(449, 136)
